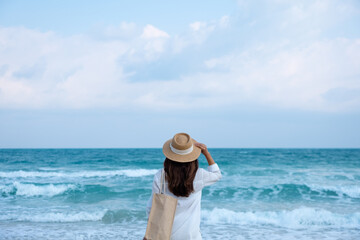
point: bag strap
(162, 183)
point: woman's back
(184, 181)
(187, 217)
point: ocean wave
(80, 174)
(72, 192)
(55, 217)
(352, 191)
(30, 190)
(123, 215)
(286, 191)
(105, 216)
(297, 218)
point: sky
(236, 74)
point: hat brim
(181, 158)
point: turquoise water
(102, 193)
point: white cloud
(200, 31)
(156, 41)
(76, 72)
(152, 32)
(45, 70)
(206, 28)
(296, 77)
(123, 30)
(224, 21)
(307, 78)
(196, 26)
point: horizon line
(44, 148)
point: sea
(102, 193)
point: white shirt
(186, 224)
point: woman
(184, 181)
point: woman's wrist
(209, 158)
(207, 154)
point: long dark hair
(180, 176)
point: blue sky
(131, 74)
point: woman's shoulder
(158, 172)
(157, 175)
(199, 174)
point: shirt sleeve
(155, 189)
(212, 175)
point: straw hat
(181, 148)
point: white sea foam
(80, 174)
(293, 219)
(352, 191)
(29, 190)
(54, 217)
(50, 169)
(298, 218)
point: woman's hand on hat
(206, 153)
(202, 146)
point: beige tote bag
(161, 215)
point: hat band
(182, 152)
